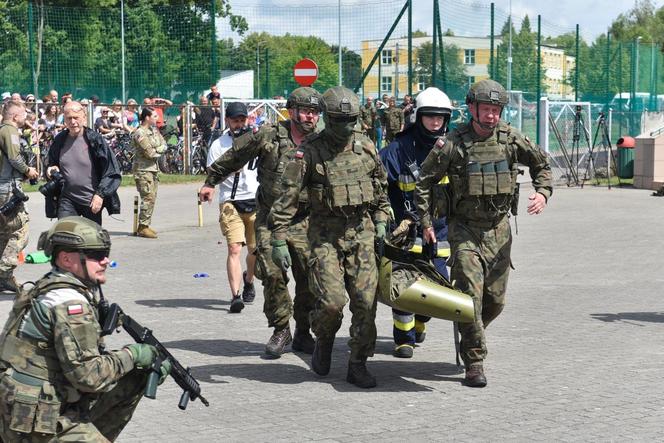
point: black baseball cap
(236, 109)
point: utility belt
(481, 224)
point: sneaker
(403, 351)
(279, 340)
(237, 305)
(248, 291)
(303, 341)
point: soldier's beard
(305, 128)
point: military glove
(380, 230)
(164, 370)
(280, 255)
(143, 355)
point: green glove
(164, 370)
(380, 230)
(280, 255)
(142, 354)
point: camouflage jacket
(273, 148)
(148, 146)
(393, 120)
(53, 336)
(12, 164)
(368, 116)
(341, 183)
(482, 172)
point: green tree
(455, 75)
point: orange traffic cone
(21, 257)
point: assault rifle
(112, 317)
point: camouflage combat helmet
(340, 102)
(305, 97)
(74, 234)
(487, 91)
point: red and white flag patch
(75, 309)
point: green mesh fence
(180, 50)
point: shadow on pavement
(391, 376)
(630, 317)
(219, 347)
(200, 303)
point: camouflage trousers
(13, 239)
(480, 268)
(278, 305)
(101, 421)
(147, 183)
(343, 261)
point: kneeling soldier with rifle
(57, 381)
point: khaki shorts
(237, 227)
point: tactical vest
(483, 175)
(32, 368)
(7, 171)
(347, 188)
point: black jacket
(103, 160)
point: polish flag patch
(75, 309)
(299, 154)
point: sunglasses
(97, 254)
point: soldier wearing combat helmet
(272, 147)
(57, 381)
(481, 160)
(345, 182)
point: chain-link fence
(394, 47)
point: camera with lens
(12, 206)
(54, 186)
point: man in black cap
(237, 209)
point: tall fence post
(492, 61)
(441, 48)
(539, 71)
(410, 47)
(33, 72)
(434, 44)
(267, 71)
(577, 65)
(213, 43)
(608, 67)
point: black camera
(12, 206)
(54, 186)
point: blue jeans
(379, 137)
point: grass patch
(615, 181)
(128, 180)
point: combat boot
(8, 285)
(279, 340)
(321, 360)
(248, 291)
(420, 332)
(359, 375)
(475, 376)
(237, 305)
(146, 232)
(303, 341)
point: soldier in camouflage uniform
(57, 381)
(346, 184)
(368, 119)
(393, 121)
(148, 146)
(481, 160)
(273, 147)
(14, 225)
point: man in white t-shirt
(237, 209)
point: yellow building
(474, 53)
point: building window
(421, 84)
(469, 57)
(386, 57)
(471, 80)
(386, 84)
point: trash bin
(626, 157)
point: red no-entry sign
(305, 72)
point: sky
(371, 19)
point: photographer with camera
(90, 174)
(13, 216)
